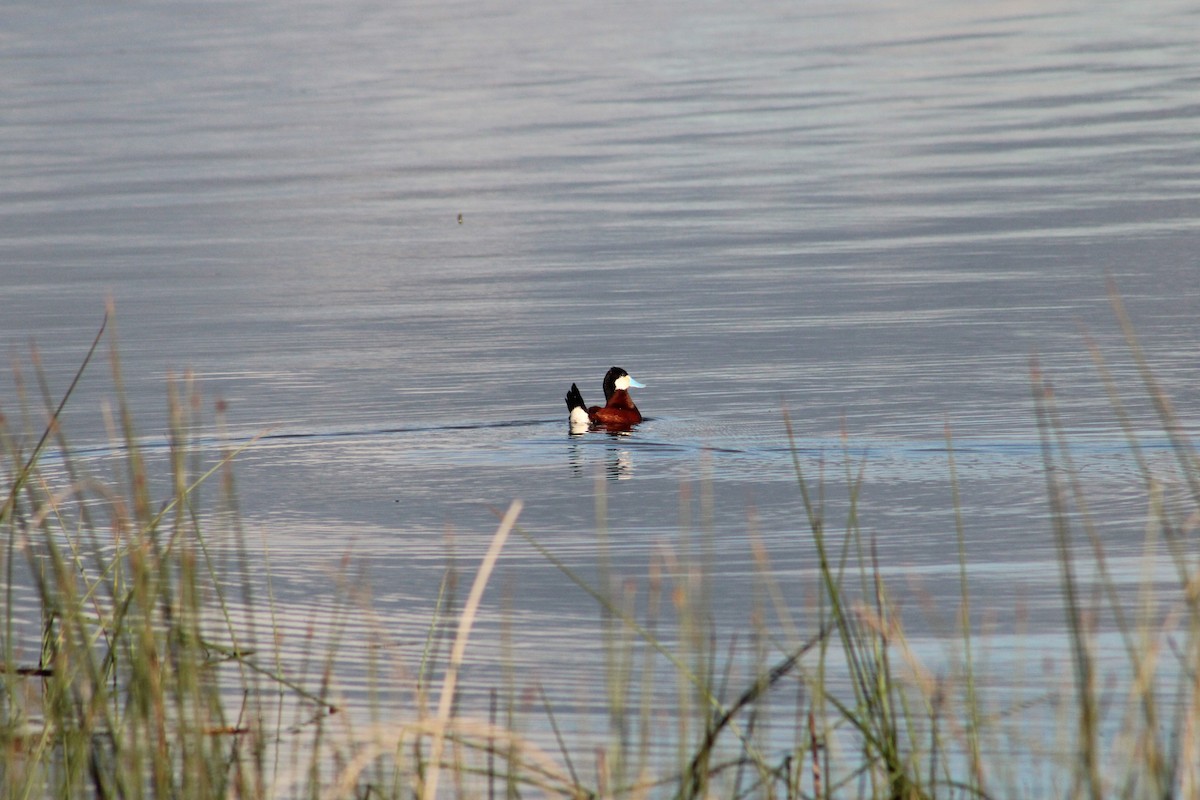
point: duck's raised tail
(576, 410)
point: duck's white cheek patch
(622, 383)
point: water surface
(392, 236)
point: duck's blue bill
(635, 383)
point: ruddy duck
(618, 411)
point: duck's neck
(620, 399)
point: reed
(138, 661)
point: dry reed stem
(465, 621)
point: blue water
(390, 237)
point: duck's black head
(617, 378)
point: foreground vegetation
(129, 669)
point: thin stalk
(1081, 655)
(19, 479)
(973, 751)
(458, 650)
(558, 737)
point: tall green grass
(131, 668)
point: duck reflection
(618, 458)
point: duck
(618, 411)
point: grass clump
(122, 696)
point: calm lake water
(868, 214)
